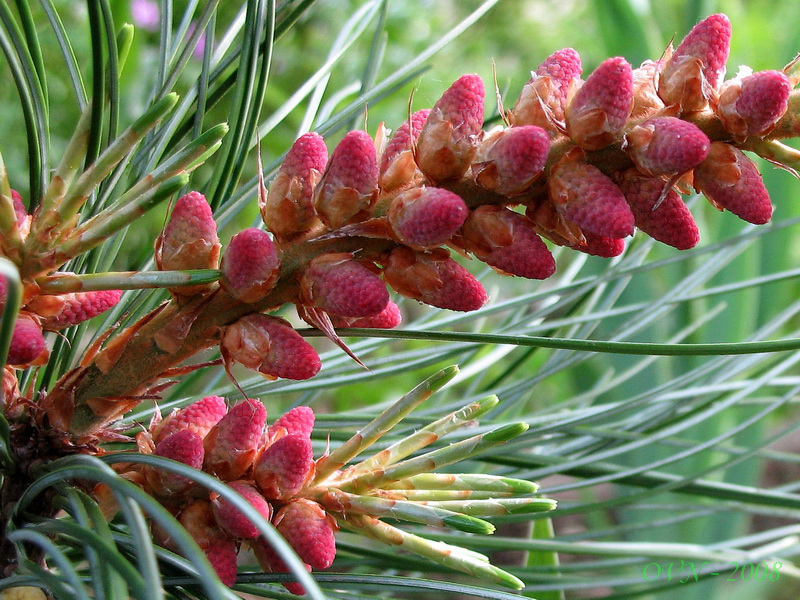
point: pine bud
(599, 110)
(199, 417)
(426, 217)
(508, 242)
(544, 98)
(452, 130)
(289, 209)
(222, 554)
(349, 186)
(184, 446)
(389, 318)
(299, 420)
(342, 286)
(509, 161)
(270, 346)
(671, 223)
(697, 66)
(231, 520)
(250, 266)
(751, 104)
(397, 161)
(309, 531)
(27, 343)
(189, 241)
(284, 467)
(597, 245)
(585, 196)
(271, 562)
(23, 218)
(731, 181)
(198, 520)
(66, 310)
(667, 145)
(232, 444)
(433, 278)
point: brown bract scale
(250, 266)
(598, 111)
(731, 181)
(447, 142)
(289, 209)
(184, 446)
(397, 166)
(588, 198)
(231, 520)
(752, 104)
(508, 161)
(284, 467)
(389, 318)
(23, 218)
(544, 97)
(645, 98)
(426, 217)
(66, 310)
(508, 242)
(232, 444)
(198, 417)
(433, 278)
(349, 186)
(270, 346)
(671, 223)
(667, 145)
(695, 69)
(309, 530)
(189, 241)
(342, 286)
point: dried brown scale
(141, 362)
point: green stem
(465, 481)
(636, 348)
(64, 283)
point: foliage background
(606, 429)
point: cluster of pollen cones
(307, 500)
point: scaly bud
(585, 196)
(198, 520)
(667, 145)
(510, 160)
(271, 562)
(27, 343)
(23, 218)
(232, 444)
(670, 223)
(186, 447)
(599, 110)
(199, 417)
(231, 520)
(597, 245)
(309, 531)
(349, 186)
(289, 209)
(508, 242)
(389, 318)
(189, 241)
(433, 278)
(452, 130)
(696, 68)
(66, 310)
(751, 104)
(284, 467)
(250, 266)
(299, 420)
(342, 286)
(270, 346)
(397, 162)
(731, 181)
(544, 98)
(426, 217)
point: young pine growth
(66, 310)
(510, 160)
(232, 444)
(397, 166)
(544, 98)
(250, 265)
(666, 145)
(340, 285)
(426, 217)
(751, 104)
(231, 520)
